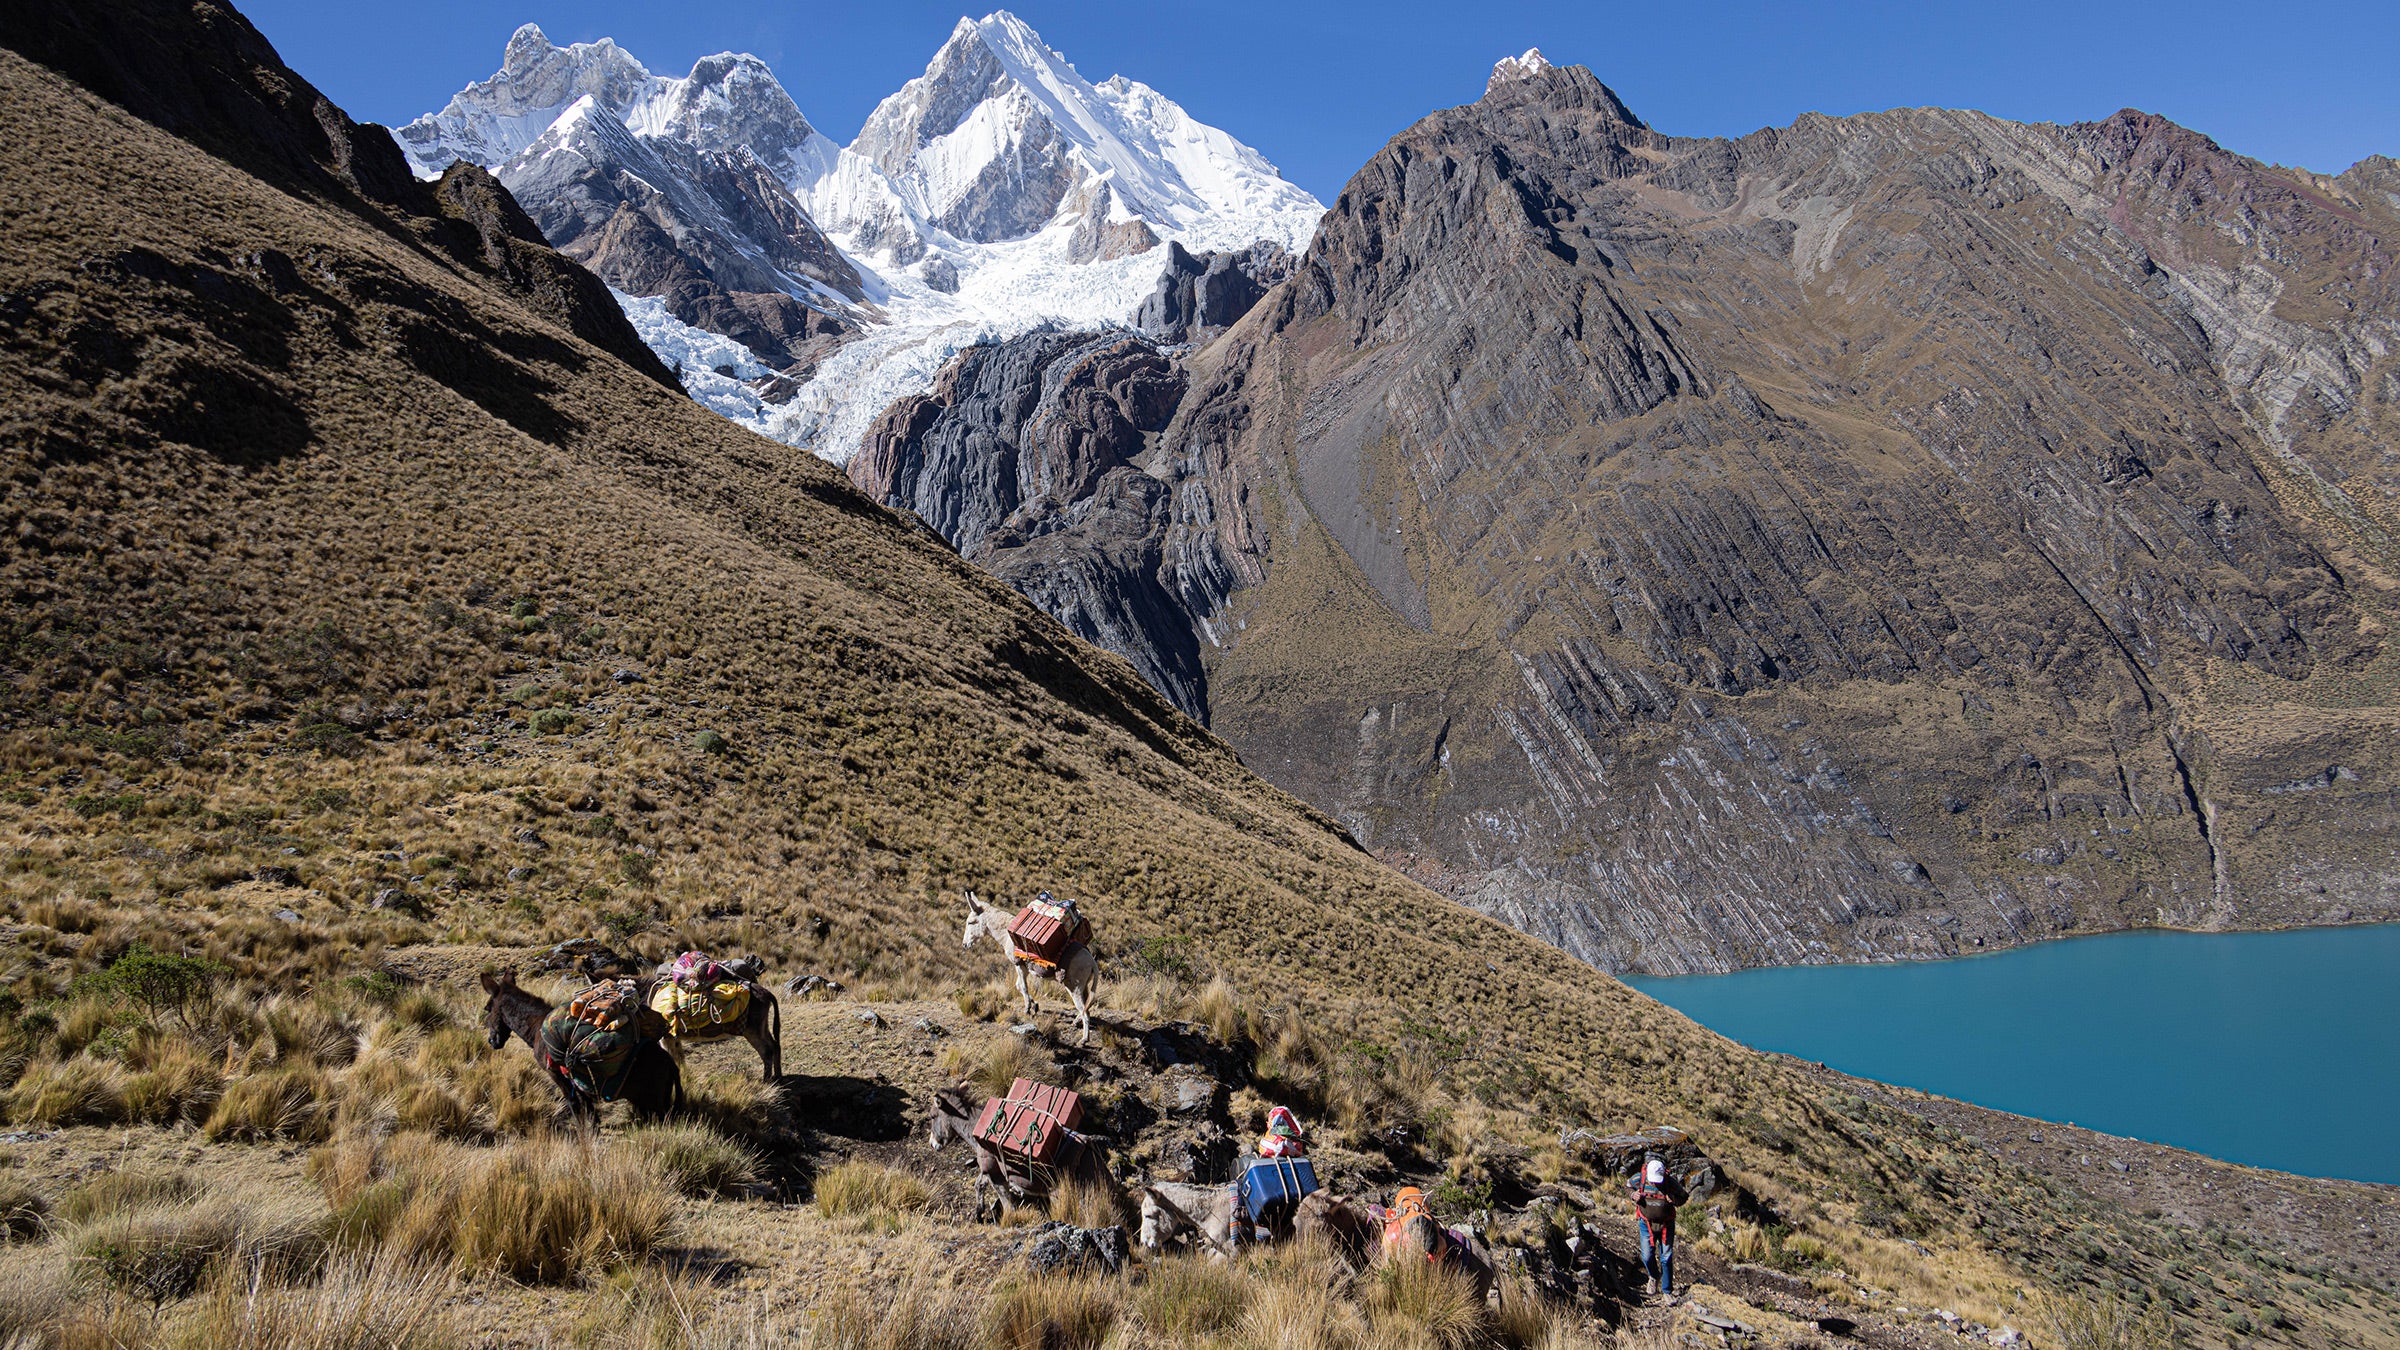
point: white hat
(1655, 1173)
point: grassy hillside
(359, 609)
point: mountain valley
(1581, 517)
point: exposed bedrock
(1025, 456)
(1878, 537)
(1201, 295)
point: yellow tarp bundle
(695, 1010)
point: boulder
(1061, 1248)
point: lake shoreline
(1635, 979)
(2354, 1225)
(2275, 1048)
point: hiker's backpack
(1653, 1204)
(1047, 932)
(1035, 1121)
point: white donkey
(1081, 973)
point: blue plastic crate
(1269, 1183)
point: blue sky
(1318, 87)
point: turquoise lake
(2278, 1050)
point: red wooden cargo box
(1041, 931)
(1031, 1121)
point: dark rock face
(1024, 456)
(1882, 537)
(710, 232)
(1199, 296)
(1096, 238)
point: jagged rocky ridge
(1881, 536)
(995, 193)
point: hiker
(1655, 1197)
(1283, 1138)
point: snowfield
(998, 132)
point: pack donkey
(653, 1085)
(1080, 975)
(761, 1023)
(1422, 1239)
(1001, 1179)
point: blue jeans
(1658, 1255)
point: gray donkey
(1080, 975)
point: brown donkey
(761, 1024)
(653, 1085)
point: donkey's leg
(1081, 996)
(1025, 990)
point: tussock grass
(921, 1315)
(377, 1303)
(280, 1104)
(2100, 1322)
(117, 1192)
(78, 1091)
(1055, 1313)
(865, 1189)
(24, 1213)
(545, 1210)
(162, 1252)
(179, 1083)
(1185, 1298)
(736, 1105)
(696, 1159)
(1087, 1205)
(1427, 1299)
(999, 1064)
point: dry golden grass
(378, 1303)
(920, 1315)
(546, 1209)
(1186, 1298)
(1424, 1299)
(868, 1190)
(1054, 1313)
(695, 1159)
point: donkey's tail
(774, 1028)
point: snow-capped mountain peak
(998, 191)
(729, 99)
(1001, 133)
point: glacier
(997, 193)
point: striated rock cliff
(1883, 536)
(1026, 456)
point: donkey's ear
(975, 903)
(491, 983)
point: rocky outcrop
(1886, 536)
(1028, 456)
(1101, 235)
(1201, 295)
